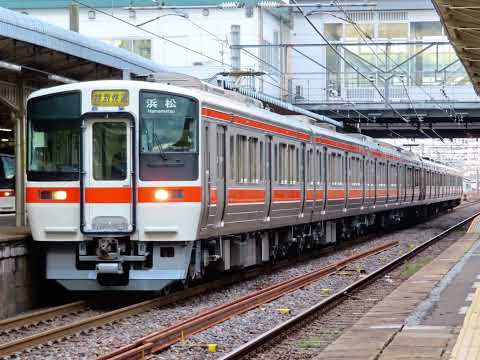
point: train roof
(252, 109)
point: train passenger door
(107, 184)
(210, 192)
(220, 183)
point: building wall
(207, 34)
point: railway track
(200, 322)
(109, 317)
(160, 340)
(251, 347)
(36, 317)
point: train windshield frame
(168, 136)
(53, 137)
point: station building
(400, 44)
(207, 27)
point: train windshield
(168, 123)
(54, 137)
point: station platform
(435, 314)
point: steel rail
(115, 315)
(36, 317)
(162, 339)
(118, 314)
(338, 297)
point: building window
(142, 47)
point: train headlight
(161, 195)
(8, 193)
(59, 195)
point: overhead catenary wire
(168, 40)
(347, 62)
(365, 36)
(151, 33)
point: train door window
(319, 172)
(275, 162)
(109, 151)
(262, 161)
(331, 169)
(241, 159)
(220, 154)
(311, 167)
(392, 176)
(283, 163)
(252, 160)
(268, 159)
(232, 157)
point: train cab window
(109, 151)
(168, 137)
(54, 137)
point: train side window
(232, 157)
(241, 159)
(252, 160)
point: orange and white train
(135, 185)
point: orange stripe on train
(115, 195)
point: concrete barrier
(20, 274)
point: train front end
(113, 189)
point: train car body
(7, 183)
(134, 185)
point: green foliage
(411, 267)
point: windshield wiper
(157, 143)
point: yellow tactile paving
(467, 346)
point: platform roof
(40, 44)
(461, 19)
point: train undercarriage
(111, 263)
